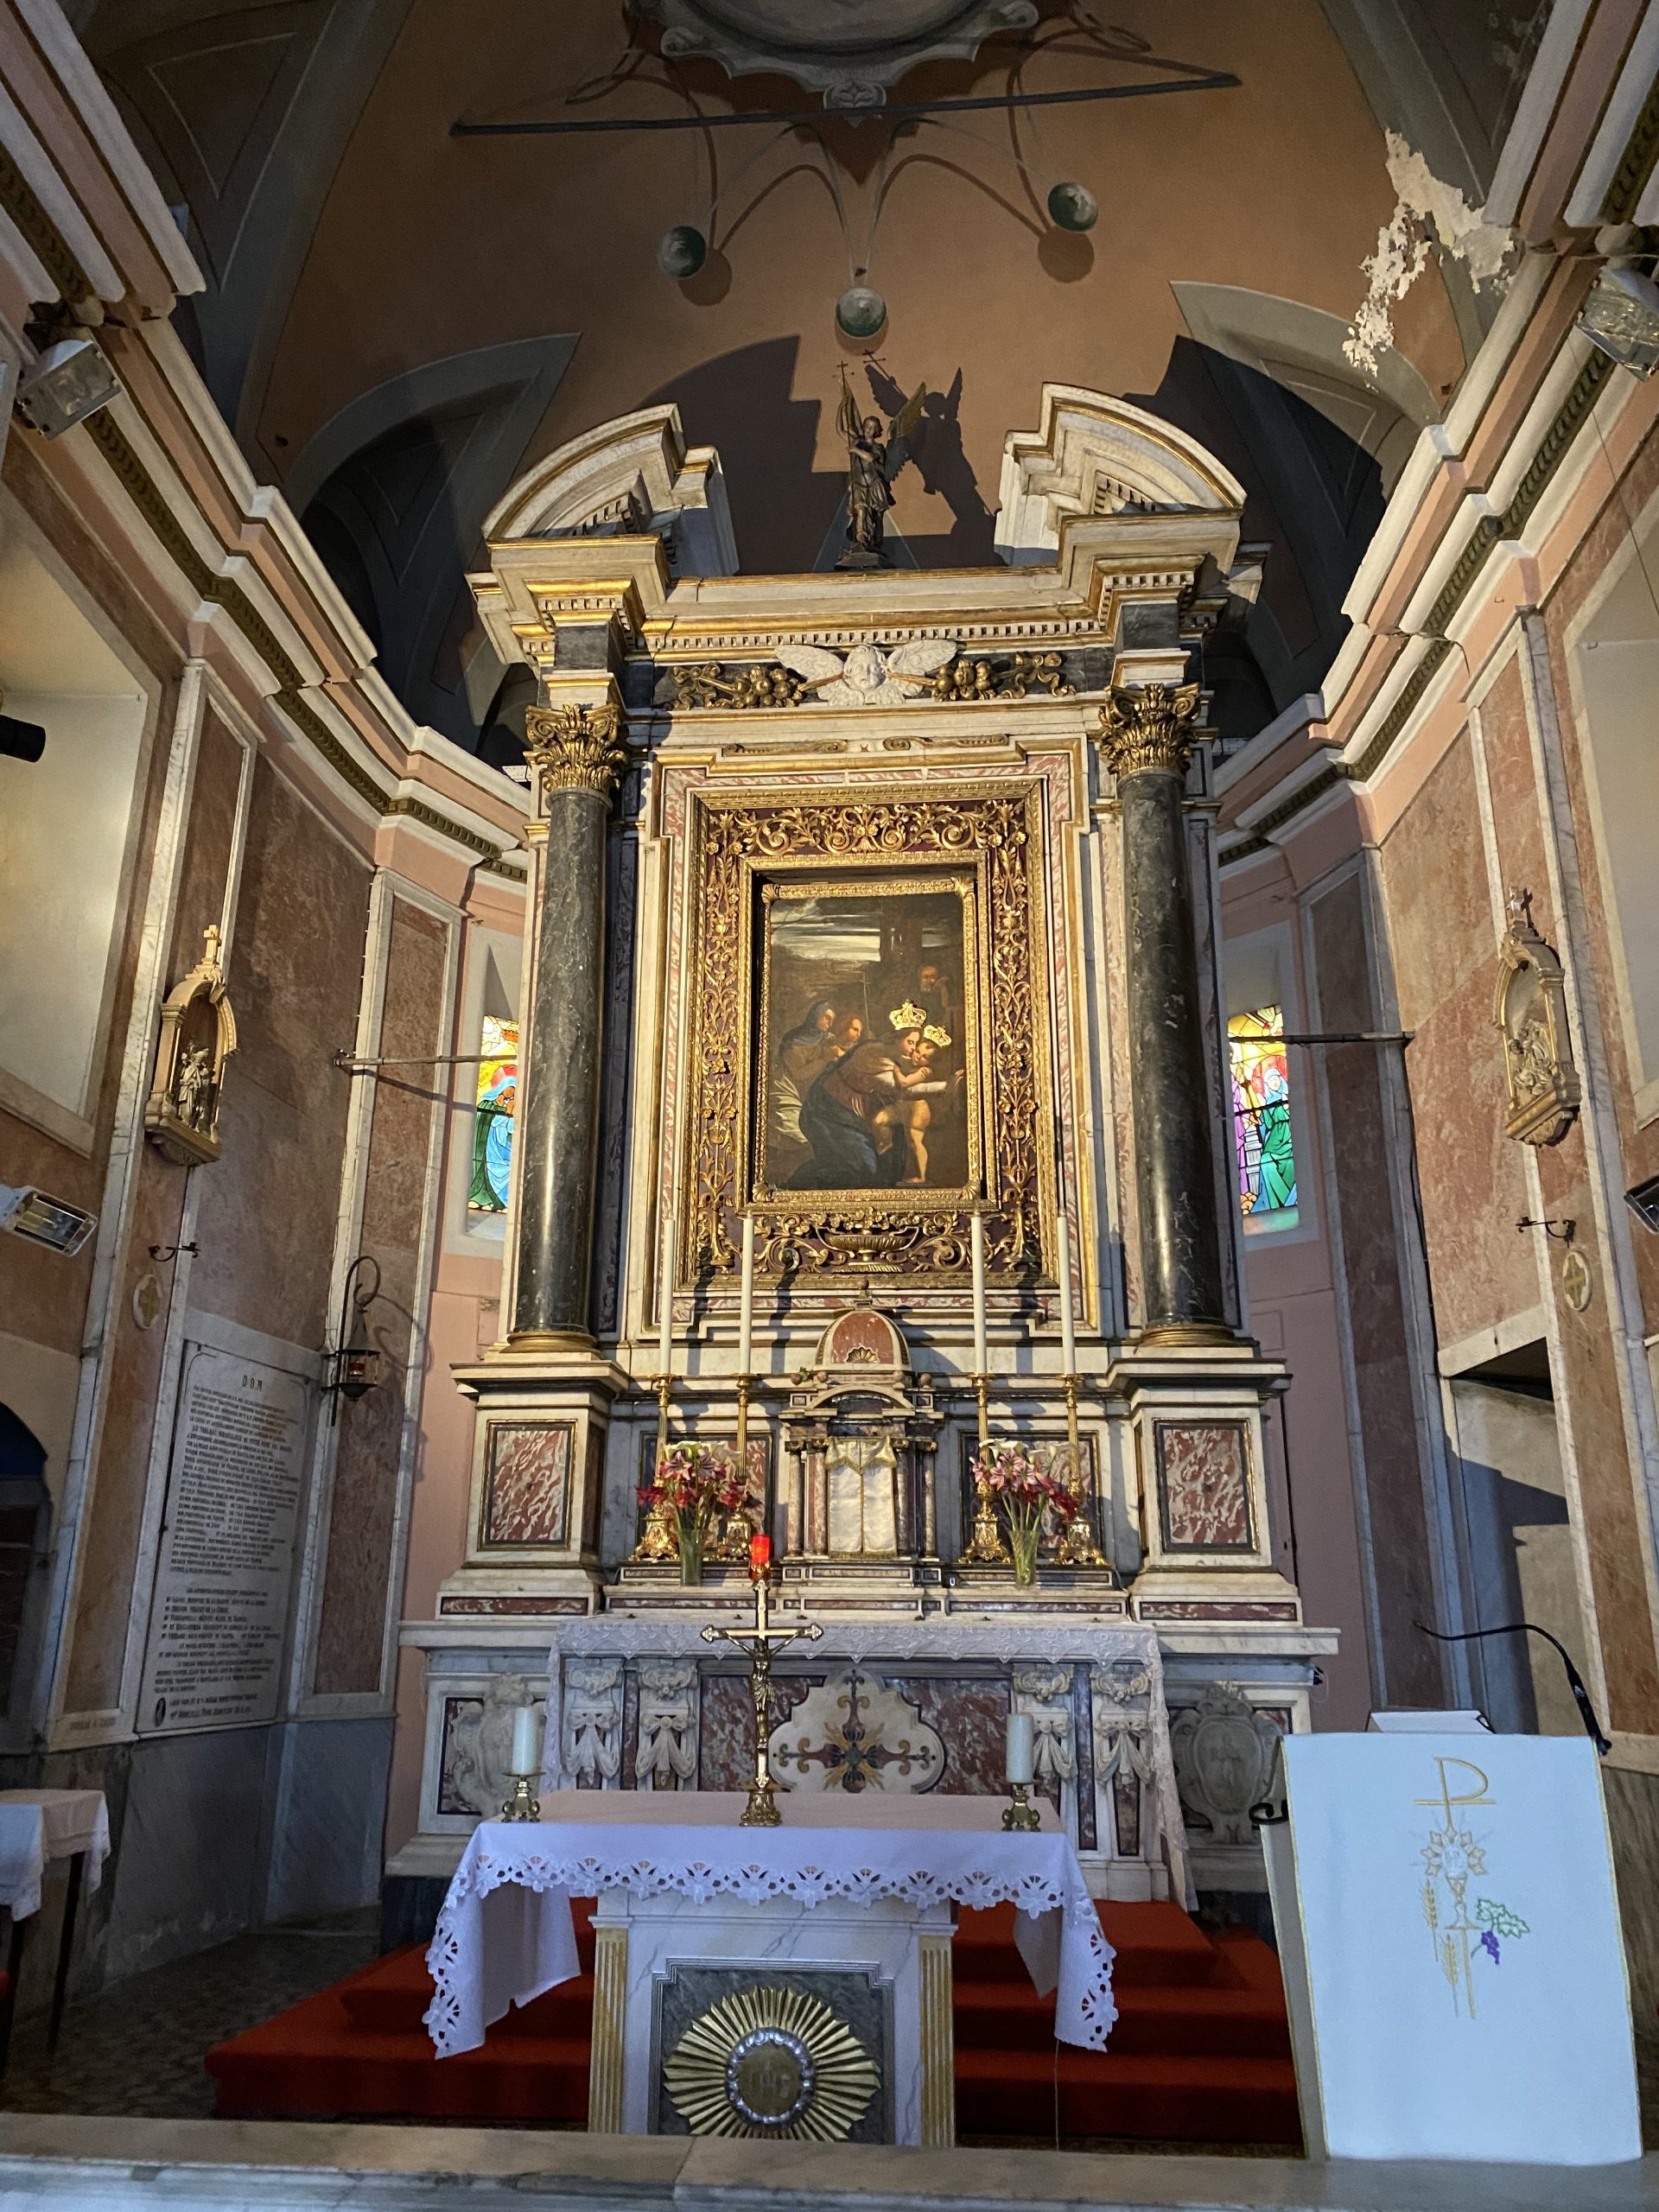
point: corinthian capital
(1149, 728)
(576, 749)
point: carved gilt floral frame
(989, 835)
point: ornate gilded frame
(777, 890)
(988, 833)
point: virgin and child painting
(866, 1044)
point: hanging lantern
(682, 251)
(860, 311)
(1073, 206)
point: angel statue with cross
(872, 461)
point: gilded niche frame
(987, 839)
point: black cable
(1575, 1679)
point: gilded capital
(576, 749)
(1148, 727)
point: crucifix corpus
(755, 1642)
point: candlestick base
(523, 1804)
(761, 1811)
(1021, 1814)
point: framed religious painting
(866, 1067)
(870, 1056)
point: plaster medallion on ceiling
(850, 50)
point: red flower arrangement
(1025, 1485)
(693, 1483)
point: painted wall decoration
(866, 1035)
(498, 1105)
(1263, 1150)
(1203, 1485)
(527, 1483)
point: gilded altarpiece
(963, 1030)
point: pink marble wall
(352, 1628)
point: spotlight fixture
(54, 1222)
(1621, 313)
(1073, 206)
(71, 380)
(357, 1367)
(20, 740)
(1642, 1200)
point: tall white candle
(1022, 1747)
(526, 1741)
(977, 1237)
(666, 1325)
(1063, 1268)
(746, 1309)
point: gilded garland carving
(868, 676)
(892, 1236)
(1149, 727)
(576, 749)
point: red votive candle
(759, 1557)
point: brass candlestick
(1078, 1547)
(665, 1392)
(982, 1394)
(987, 1546)
(755, 1642)
(523, 1804)
(1021, 1814)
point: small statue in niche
(198, 1036)
(872, 461)
(1530, 1010)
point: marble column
(577, 753)
(1146, 737)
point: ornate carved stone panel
(853, 1732)
(1223, 1750)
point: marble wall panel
(971, 1719)
(266, 1210)
(527, 1483)
(725, 1741)
(206, 855)
(1371, 1286)
(1204, 1496)
(351, 1632)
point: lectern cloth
(36, 1825)
(504, 1934)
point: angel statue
(872, 461)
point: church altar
(888, 1120)
(821, 1948)
(882, 1713)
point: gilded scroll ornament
(1531, 1009)
(1013, 678)
(1148, 727)
(576, 749)
(705, 684)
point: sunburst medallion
(771, 2062)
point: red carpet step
(1200, 2052)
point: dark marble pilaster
(1146, 738)
(577, 753)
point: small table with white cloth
(36, 1825)
(845, 1912)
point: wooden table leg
(65, 1944)
(9, 2002)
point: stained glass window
(497, 1098)
(1265, 1161)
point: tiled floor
(137, 2050)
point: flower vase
(692, 1530)
(1023, 1537)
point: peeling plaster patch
(1425, 208)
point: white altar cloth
(505, 1936)
(36, 1825)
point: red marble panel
(1203, 1485)
(527, 1484)
(971, 1717)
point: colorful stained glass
(1261, 1138)
(498, 1098)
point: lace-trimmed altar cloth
(504, 1934)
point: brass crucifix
(755, 1643)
